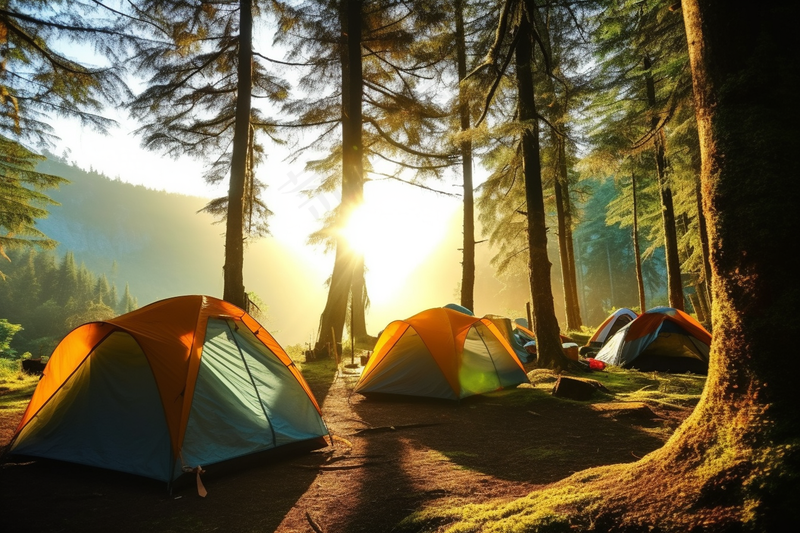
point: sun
(396, 231)
(362, 228)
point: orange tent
(441, 353)
(661, 339)
(607, 329)
(180, 383)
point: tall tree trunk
(233, 287)
(637, 253)
(347, 259)
(358, 294)
(468, 260)
(571, 307)
(545, 324)
(610, 275)
(674, 283)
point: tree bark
(674, 283)
(468, 260)
(702, 228)
(358, 294)
(561, 190)
(347, 259)
(637, 254)
(545, 324)
(233, 278)
(577, 320)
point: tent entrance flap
(227, 419)
(245, 400)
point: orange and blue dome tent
(607, 329)
(661, 339)
(441, 353)
(177, 385)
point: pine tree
(360, 92)
(39, 81)
(205, 76)
(644, 104)
(21, 199)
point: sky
(411, 236)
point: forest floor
(389, 458)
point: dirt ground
(389, 458)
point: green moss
(547, 511)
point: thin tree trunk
(546, 329)
(610, 275)
(233, 279)
(567, 279)
(702, 228)
(347, 260)
(358, 294)
(674, 283)
(468, 260)
(575, 306)
(637, 253)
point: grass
(667, 390)
(544, 511)
(16, 387)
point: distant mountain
(159, 244)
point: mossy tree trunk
(736, 459)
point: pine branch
(404, 147)
(388, 176)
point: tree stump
(576, 388)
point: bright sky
(411, 236)
(401, 227)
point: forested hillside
(161, 246)
(158, 244)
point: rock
(577, 388)
(33, 366)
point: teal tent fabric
(107, 415)
(459, 308)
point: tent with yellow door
(441, 353)
(182, 383)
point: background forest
(434, 88)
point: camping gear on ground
(606, 330)
(513, 333)
(172, 387)
(594, 364)
(661, 339)
(441, 353)
(528, 341)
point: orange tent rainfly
(661, 339)
(181, 383)
(441, 353)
